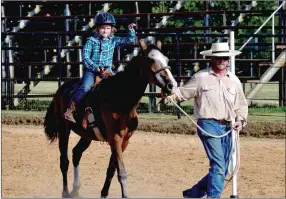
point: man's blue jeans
(219, 153)
(87, 82)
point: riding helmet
(104, 18)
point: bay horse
(114, 104)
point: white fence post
(233, 150)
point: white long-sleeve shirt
(220, 98)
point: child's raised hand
(130, 26)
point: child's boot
(69, 113)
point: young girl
(98, 56)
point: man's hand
(168, 99)
(237, 126)
(130, 26)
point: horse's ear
(159, 44)
(142, 44)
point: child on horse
(98, 56)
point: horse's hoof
(66, 195)
(103, 196)
(75, 194)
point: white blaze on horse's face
(158, 57)
(161, 62)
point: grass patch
(257, 126)
(266, 109)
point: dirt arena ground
(158, 165)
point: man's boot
(69, 113)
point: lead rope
(235, 171)
(214, 136)
(237, 165)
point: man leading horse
(219, 99)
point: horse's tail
(50, 122)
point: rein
(163, 68)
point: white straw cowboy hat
(220, 50)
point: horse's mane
(133, 65)
(136, 64)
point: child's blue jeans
(87, 82)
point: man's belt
(223, 122)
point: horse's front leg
(113, 164)
(121, 172)
(109, 175)
(81, 146)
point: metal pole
(148, 21)
(207, 19)
(251, 65)
(234, 152)
(273, 40)
(67, 28)
(232, 61)
(282, 93)
(11, 74)
(59, 60)
(178, 71)
(28, 82)
(4, 74)
(283, 72)
(20, 7)
(4, 71)
(137, 12)
(152, 102)
(8, 80)
(80, 59)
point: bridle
(163, 68)
(160, 78)
(160, 69)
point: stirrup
(71, 119)
(88, 109)
(90, 117)
(68, 115)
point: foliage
(117, 11)
(33, 105)
(194, 5)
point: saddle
(87, 116)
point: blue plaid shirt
(98, 52)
